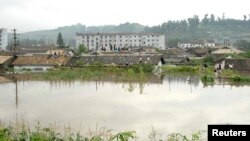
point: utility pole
(13, 48)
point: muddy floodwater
(167, 103)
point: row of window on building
(121, 36)
(139, 40)
(121, 45)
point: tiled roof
(3, 59)
(227, 50)
(176, 52)
(46, 60)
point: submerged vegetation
(134, 72)
(138, 72)
(178, 69)
(235, 76)
(207, 79)
(207, 74)
(238, 78)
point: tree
(194, 22)
(205, 20)
(82, 49)
(172, 42)
(245, 17)
(212, 18)
(184, 25)
(60, 42)
(223, 16)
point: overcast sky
(29, 15)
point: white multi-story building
(3, 39)
(114, 41)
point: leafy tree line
(195, 23)
(243, 44)
(204, 28)
(207, 27)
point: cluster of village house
(118, 49)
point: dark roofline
(210, 41)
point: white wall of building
(209, 44)
(30, 67)
(3, 39)
(189, 45)
(120, 40)
(184, 45)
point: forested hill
(194, 28)
(206, 28)
(69, 32)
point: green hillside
(194, 28)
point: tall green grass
(22, 132)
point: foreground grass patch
(21, 132)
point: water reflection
(16, 92)
(169, 103)
(129, 86)
(171, 81)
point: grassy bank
(47, 134)
(21, 132)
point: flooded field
(167, 103)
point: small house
(226, 50)
(39, 62)
(176, 56)
(5, 62)
(120, 60)
(236, 64)
(199, 51)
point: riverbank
(22, 132)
